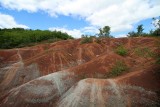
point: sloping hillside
(110, 73)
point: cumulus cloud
(90, 29)
(155, 23)
(121, 35)
(73, 32)
(76, 33)
(119, 15)
(7, 21)
(122, 16)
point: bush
(132, 34)
(19, 37)
(144, 52)
(118, 69)
(86, 39)
(98, 40)
(157, 54)
(158, 60)
(121, 51)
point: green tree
(86, 39)
(100, 32)
(140, 30)
(19, 37)
(156, 23)
(138, 33)
(106, 31)
(82, 36)
(132, 34)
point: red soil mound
(70, 74)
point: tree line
(140, 29)
(105, 31)
(19, 37)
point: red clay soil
(70, 74)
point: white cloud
(122, 16)
(155, 23)
(74, 32)
(119, 15)
(89, 30)
(7, 21)
(29, 5)
(121, 35)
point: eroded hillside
(70, 74)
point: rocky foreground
(70, 74)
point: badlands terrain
(71, 74)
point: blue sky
(41, 20)
(77, 17)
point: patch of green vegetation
(118, 68)
(157, 54)
(53, 40)
(158, 60)
(19, 37)
(86, 39)
(121, 50)
(152, 33)
(98, 40)
(144, 52)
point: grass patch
(121, 50)
(98, 40)
(144, 52)
(19, 37)
(52, 40)
(158, 60)
(118, 68)
(86, 39)
(157, 54)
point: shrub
(118, 68)
(98, 40)
(53, 40)
(86, 39)
(121, 51)
(144, 52)
(132, 34)
(19, 37)
(157, 54)
(158, 60)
